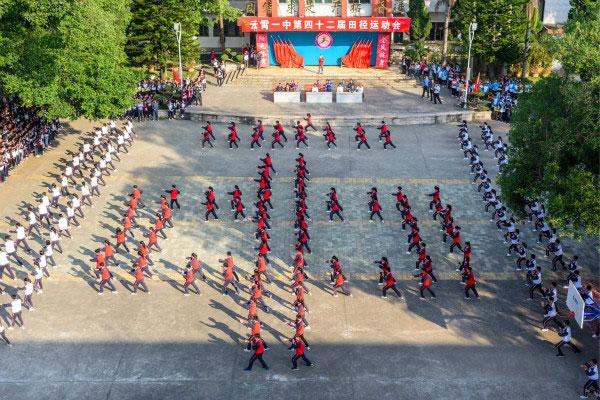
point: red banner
(383, 51)
(318, 24)
(176, 76)
(262, 46)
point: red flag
(176, 76)
(477, 82)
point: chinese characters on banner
(262, 46)
(318, 24)
(383, 51)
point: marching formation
(58, 210)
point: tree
(151, 39)
(420, 22)
(222, 11)
(67, 57)
(501, 26)
(555, 144)
(447, 18)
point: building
(299, 32)
(553, 14)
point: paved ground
(389, 102)
(163, 345)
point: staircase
(369, 78)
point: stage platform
(369, 78)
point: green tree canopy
(420, 21)
(151, 39)
(501, 26)
(554, 136)
(66, 57)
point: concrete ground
(164, 345)
(387, 102)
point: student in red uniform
(300, 136)
(399, 197)
(152, 239)
(167, 216)
(210, 209)
(340, 283)
(276, 139)
(298, 348)
(121, 240)
(455, 239)
(424, 284)
(139, 280)
(470, 283)
(335, 209)
(375, 210)
(428, 267)
(390, 283)
(384, 268)
(190, 280)
(255, 139)
(235, 194)
(268, 163)
(329, 136)
(109, 253)
(208, 129)
(174, 196)
(233, 136)
(258, 346)
(435, 197)
(228, 278)
(301, 311)
(309, 123)
(279, 128)
(159, 226)
(105, 279)
(259, 129)
(467, 257)
(127, 225)
(361, 136)
(206, 137)
(100, 261)
(388, 141)
(382, 130)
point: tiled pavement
(161, 346)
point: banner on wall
(262, 46)
(383, 51)
(329, 24)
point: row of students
(536, 210)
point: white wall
(556, 12)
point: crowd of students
(22, 132)
(56, 212)
(518, 248)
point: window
(323, 1)
(365, 1)
(203, 31)
(437, 31)
(231, 29)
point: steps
(369, 78)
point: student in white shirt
(11, 249)
(77, 205)
(38, 275)
(15, 312)
(56, 193)
(22, 238)
(112, 151)
(5, 265)
(43, 262)
(63, 226)
(49, 253)
(565, 334)
(108, 159)
(3, 335)
(121, 143)
(85, 194)
(94, 185)
(64, 185)
(55, 240)
(33, 222)
(43, 212)
(27, 289)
